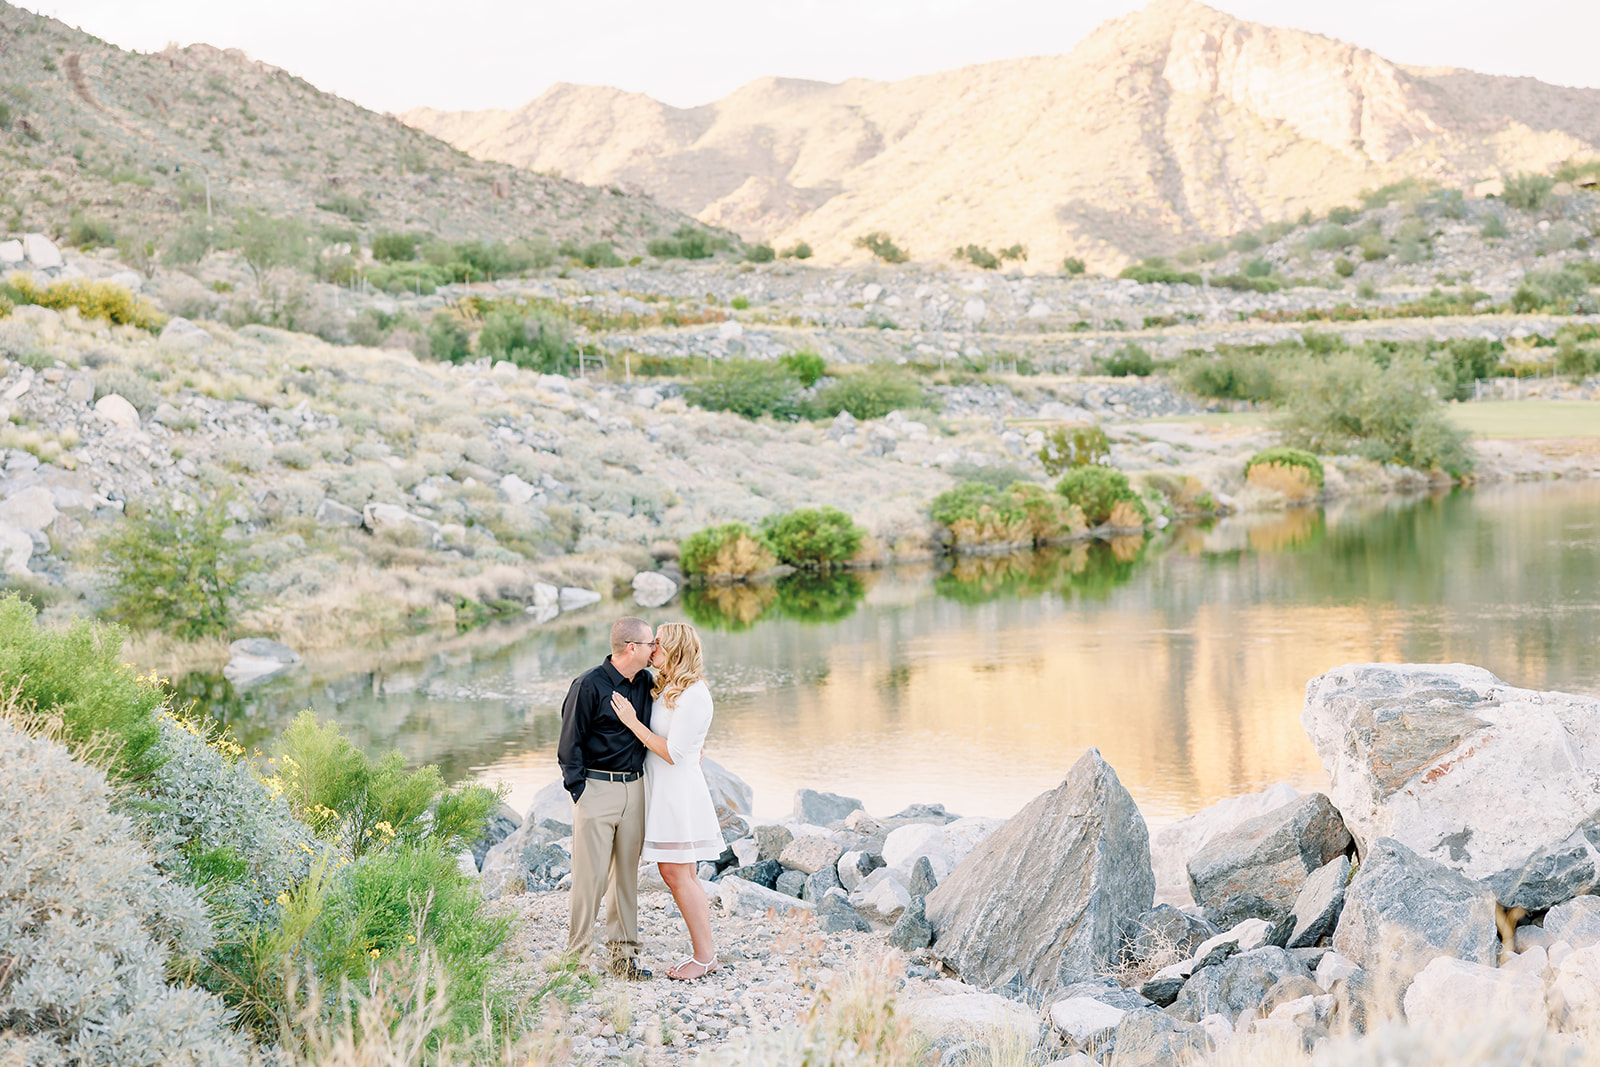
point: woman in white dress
(680, 821)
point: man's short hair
(628, 629)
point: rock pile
(1321, 914)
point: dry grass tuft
(1293, 482)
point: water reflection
(1184, 658)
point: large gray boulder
(254, 660)
(1316, 909)
(1149, 1038)
(1496, 782)
(1173, 844)
(822, 809)
(1239, 983)
(1167, 934)
(728, 790)
(1402, 911)
(1257, 869)
(1050, 896)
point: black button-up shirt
(592, 737)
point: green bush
(1343, 267)
(601, 254)
(396, 247)
(265, 242)
(977, 256)
(1373, 247)
(1098, 491)
(1341, 216)
(94, 300)
(1129, 360)
(1017, 253)
(448, 340)
(686, 242)
(536, 339)
(1332, 236)
(1391, 414)
(871, 394)
(801, 250)
(812, 537)
(979, 514)
(731, 550)
(1081, 446)
(1563, 291)
(1528, 191)
(1155, 270)
(747, 387)
(805, 365)
(77, 675)
(1246, 283)
(1466, 360)
(1232, 373)
(760, 253)
(1494, 226)
(176, 571)
(881, 245)
(1576, 360)
(128, 385)
(408, 277)
(1073, 265)
(1288, 457)
(88, 232)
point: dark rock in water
(1152, 1038)
(763, 873)
(822, 809)
(1163, 991)
(922, 880)
(1402, 911)
(1049, 897)
(503, 822)
(837, 916)
(1316, 910)
(1236, 984)
(1106, 991)
(1167, 932)
(1257, 869)
(820, 883)
(1286, 989)
(772, 840)
(791, 883)
(911, 931)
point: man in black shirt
(602, 766)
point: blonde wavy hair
(683, 666)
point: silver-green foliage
(89, 927)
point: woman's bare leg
(684, 881)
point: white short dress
(680, 822)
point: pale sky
(391, 55)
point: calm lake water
(1183, 658)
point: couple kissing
(630, 756)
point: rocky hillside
(136, 146)
(1172, 125)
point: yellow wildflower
(375, 953)
(283, 898)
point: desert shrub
(600, 254)
(1232, 373)
(448, 340)
(731, 550)
(1332, 236)
(1282, 467)
(1073, 265)
(1494, 226)
(1155, 270)
(1129, 360)
(740, 302)
(534, 339)
(1100, 492)
(265, 242)
(760, 253)
(395, 247)
(1528, 191)
(747, 387)
(128, 385)
(1016, 253)
(94, 300)
(1047, 517)
(86, 231)
(1079, 446)
(408, 277)
(1465, 361)
(76, 678)
(1391, 414)
(812, 537)
(1373, 247)
(92, 927)
(1575, 359)
(1563, 291)
(176, 570)
(869, 395)
(882, 246)
(978, 256)
(362, 805)
(294, 454)
(243, 454)
(979, 514)
(800, 250)
(686, 242)
(1246, 283)
(1343, 267)
(1341, 216)
(805, 365)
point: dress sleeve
(687, 733)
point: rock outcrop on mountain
(1174, 124)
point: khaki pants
(607, 835)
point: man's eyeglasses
(646, 644)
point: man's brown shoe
(628, 969)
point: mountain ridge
(1173, 124)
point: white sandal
(710, 966)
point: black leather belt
(613, 776)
